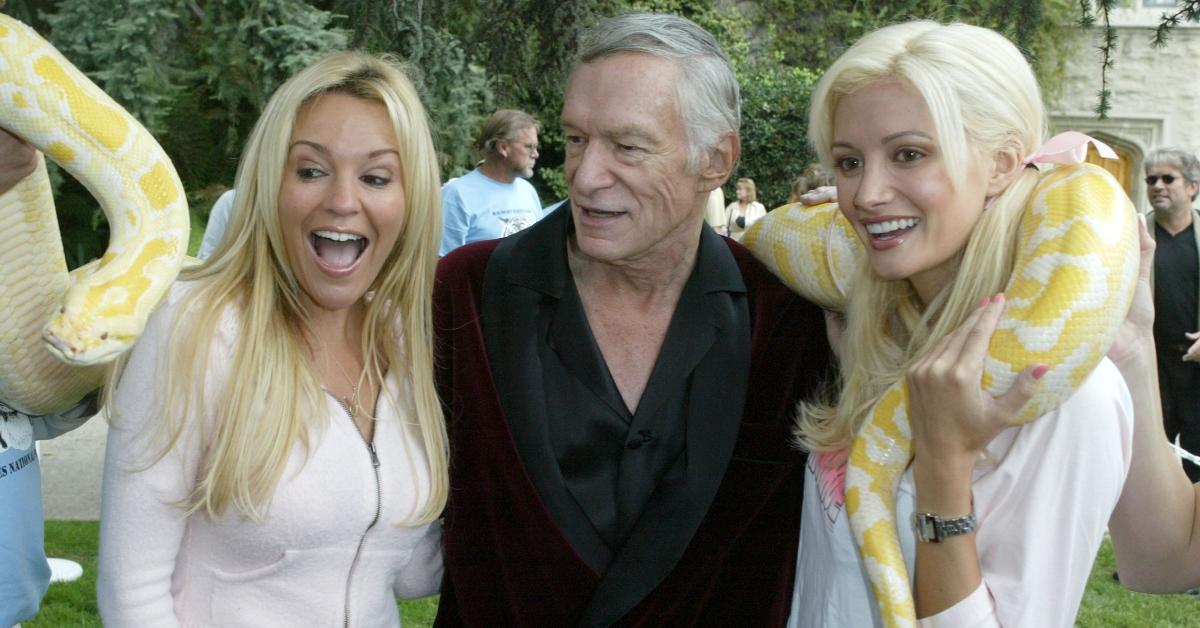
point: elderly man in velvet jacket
(618, 379)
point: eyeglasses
(533, 148)
(1168, 179)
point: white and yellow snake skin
(1071, 286)
(91, 316)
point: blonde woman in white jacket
(742, 213)
(277, 454)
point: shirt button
(644, 437)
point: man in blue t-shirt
(494, 200)
(24, 573)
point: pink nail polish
(1040, 371)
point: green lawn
(1105, 604)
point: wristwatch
(931, 528)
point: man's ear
(720, 162)
(1006, 165)
(502, 148)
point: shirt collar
(539, 261)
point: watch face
(924, 527)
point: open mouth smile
(891, 229)
(337, 250)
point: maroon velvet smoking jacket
(719, 551)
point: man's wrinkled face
(632, 195)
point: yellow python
(1071, 285)
(89, 317)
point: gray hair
(1177, 158)
(707, 93)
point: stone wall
(1155, 99)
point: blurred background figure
(714, 211)
(214, 229)
(744, 211)
(26, 573)
(494, 200)
(1172, 183)
(814, 176)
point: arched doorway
(1122, 169)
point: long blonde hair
(982, 97)
(271, 399)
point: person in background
(814, 176)
(218, 220)
(1172, 182)
(714, 210)
(742, 213)
(24, 572)
(494, 200)
(277, 454)
(619, 379)
(22, 552)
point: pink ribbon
(1069, 147)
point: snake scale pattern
(1071, 285)
(60, 329)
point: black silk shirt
(612, 460)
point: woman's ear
(1007, 163)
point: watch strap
(931, 528)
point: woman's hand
(817, 196)
(952, 420)
(18, 159)
(1193, 352)
(952, 417)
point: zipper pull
(374, 456)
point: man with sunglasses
(1172, 182)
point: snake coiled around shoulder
(59, 329)
(1072, 283)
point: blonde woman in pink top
(277, 454)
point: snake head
(88, 327)
(84, 340)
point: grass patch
(71, 603)
(1105, 603)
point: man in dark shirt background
(1172, 182)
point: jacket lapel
(516, 282)
(1196, 233)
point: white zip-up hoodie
(301, 566)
